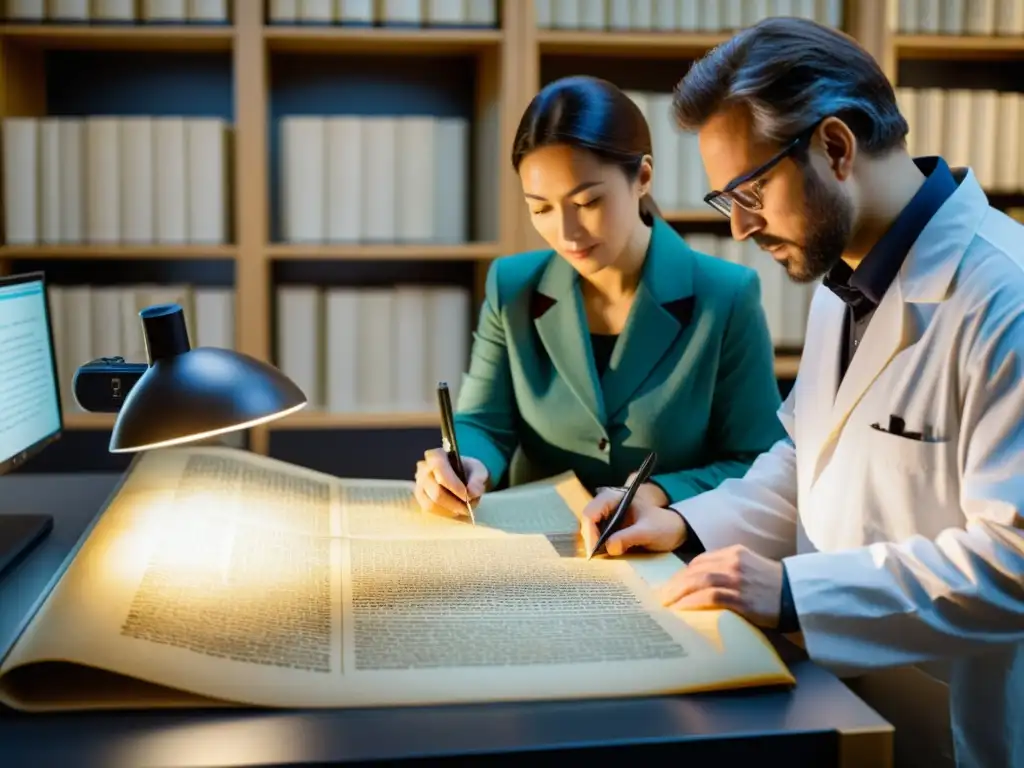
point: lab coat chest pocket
(911, 483)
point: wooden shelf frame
(509, 64)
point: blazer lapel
(662, 308)
(561, 323)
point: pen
(627, 498)
(448, 441)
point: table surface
(820, 704)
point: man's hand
(644, 525)
(733, 578)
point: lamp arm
(101, 385)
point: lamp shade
(188, 394)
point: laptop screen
(30, 409)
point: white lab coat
(900, 551)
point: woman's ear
(645, 176)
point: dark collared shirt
(862, 289)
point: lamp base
(101, 385)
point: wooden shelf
(947, 47)
(660, 45)
(387, 251)
(139, 37)
(345, 40)
(78, 420)
(306, 419)
(786, 366)
(114, 251)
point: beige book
(219, 577)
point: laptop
(30, 406)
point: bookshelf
(252, 70)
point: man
(887, 526)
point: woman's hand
(645, 526)
(438, 489)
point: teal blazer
(691, 376)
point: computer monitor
(30, 406)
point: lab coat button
(602, 444)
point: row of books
(980, 128)
(408, 13)
(118, 11)
(785, 303)
(958, 17)
(91, 321)
(373, 349)
(680, 181)
(374, 179)
(115, 180)
(678, 15)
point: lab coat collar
(926, 277)
(927, 273)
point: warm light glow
(212, 432)
(253, 740)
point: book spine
(302, 179)
(379, 174)
(49, 180)
(342, 324)
(214, 310)
(344, 182)
(208, 11)
(299, 338)
(113, 11)
(205, 143)
(136, 167)
(103, 179)
(285, 11)
(665, 142)
(356, 13)
(68, 11)
(73, 179)
(316, 12)
(170, 180)
(402, 13)
(451, 223)
(21, 180)
(416, 170)
(164, 11)
(446, 13)
(30, 11)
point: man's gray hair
(790, 74)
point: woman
(615, 341)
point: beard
(829, 218)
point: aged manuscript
(217, 576)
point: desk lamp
(182, 394)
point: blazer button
(602, 444)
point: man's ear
(839, 146)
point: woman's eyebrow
(574, 191)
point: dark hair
(790, 74)
(591, 114)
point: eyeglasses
(749, 197)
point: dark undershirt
(602, 345)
